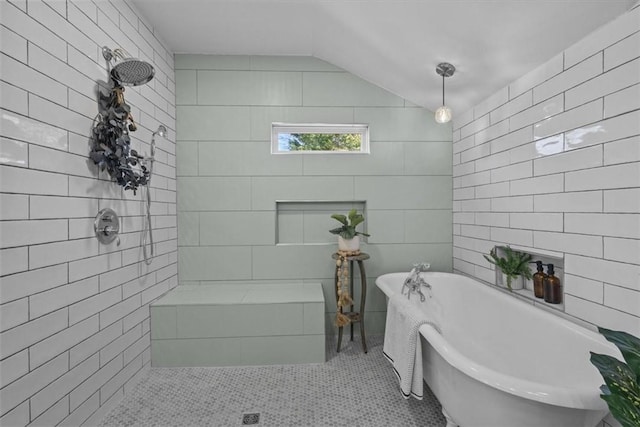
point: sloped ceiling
(395, 44)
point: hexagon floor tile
(350, 389)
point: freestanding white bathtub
(497, 361)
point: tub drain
(249, 419)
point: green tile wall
(228, 182)
(248, 88)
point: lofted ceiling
(394, 44)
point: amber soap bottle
(538, 280)
(552, 287)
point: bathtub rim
(570, 397)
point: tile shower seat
(238, 324)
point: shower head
(162, 131)
(126, 70)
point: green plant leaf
(340, 218)
(337, 230)
(617, 375)
(348, 233)
(623, 410)
(513, 264)
(629, 347)
(621, 390)
(356, 219)
(352, 213)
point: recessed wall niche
(308, 222)
(547, 258)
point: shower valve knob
(108, 230)
(107, 226)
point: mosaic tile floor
(350, 389)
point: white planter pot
(349, 245)
(516, 282)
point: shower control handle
(107, 226)
(108, 230)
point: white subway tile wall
(573, 186)
(229, 182)
(74, 323)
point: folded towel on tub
(402, 342)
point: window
(319, 138)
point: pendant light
(443, 114)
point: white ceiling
(395, 44)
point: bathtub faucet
(414, 282)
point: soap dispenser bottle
(538, 280)
(552, 287)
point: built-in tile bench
(238, 324)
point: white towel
(402, 342)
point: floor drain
(249, 419)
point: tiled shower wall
(74, 313)
(552, 163)
(228, 182)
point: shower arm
(110, 54)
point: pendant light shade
(444, 114)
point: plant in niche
(621, 390)
(512, 265)
(112, 144)
(349, 224)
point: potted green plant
(513, 265)
(621, 390)
(348, 237)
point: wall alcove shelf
(527, 292)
